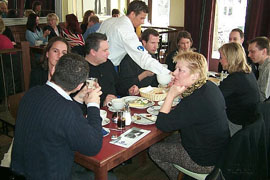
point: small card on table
(130, 137)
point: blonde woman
(53, 20)
(240, 88)
(200, 116)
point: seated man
(131, 75)
(97, 52)
(50, 127)
(259, 52)
(93, 25)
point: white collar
(59, 90)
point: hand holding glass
(91, 83)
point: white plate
(105, 121)
(174, 103)
(107, 130)
(130, 98)
(150, 103)
(143, 121)
(154, 110)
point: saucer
(105, 121)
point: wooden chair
(8, 111)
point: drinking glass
(121, 120)
(91, 82)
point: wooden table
(111, 155)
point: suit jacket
(52, 34)
(245, 156)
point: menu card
(130, 137)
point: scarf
(193, 87)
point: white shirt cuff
(93, 105)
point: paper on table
(130, 137)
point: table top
(112, 155)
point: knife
(145, 117)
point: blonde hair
(27, 12)
(236, 57)
(53, 16)
(196, 63)
(2, 26)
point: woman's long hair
(73, 24)
(31, 24)
(236, 57)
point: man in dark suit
(50, 126)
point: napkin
(147, 89)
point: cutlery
(113, 129)
(144, 117)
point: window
(229, 15)
(160, 13)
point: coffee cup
(103, 114)
(164, 79)
(116, 104)
(38, 43)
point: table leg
(101, 173)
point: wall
(177, 13)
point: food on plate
(140, 102)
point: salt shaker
(127, 114)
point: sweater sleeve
(84, 135)
(226, 86)
(178, 118)
(127, 77)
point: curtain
(257, 19)
(199, 21)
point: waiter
(123, 39)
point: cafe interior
(207, 25)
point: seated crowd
(51, 115)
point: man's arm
(137, 52)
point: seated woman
(53, 20)
(6, 31)
(55, 49)
(240, 88)
(200, 117)
(86, 16)
(184, 43)
(73, 34)
(34, 32)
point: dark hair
(240, 32)
(137, 7)
(93, 41)
(261, 43)
(146, 33)
(86, 15)
(12, 13)
(94, 19)
(49, 46)
(35, 4)
(71, 70)
(73, 24)
(115, 11)
(184, 34)
(31, 24)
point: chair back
(246, 154)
